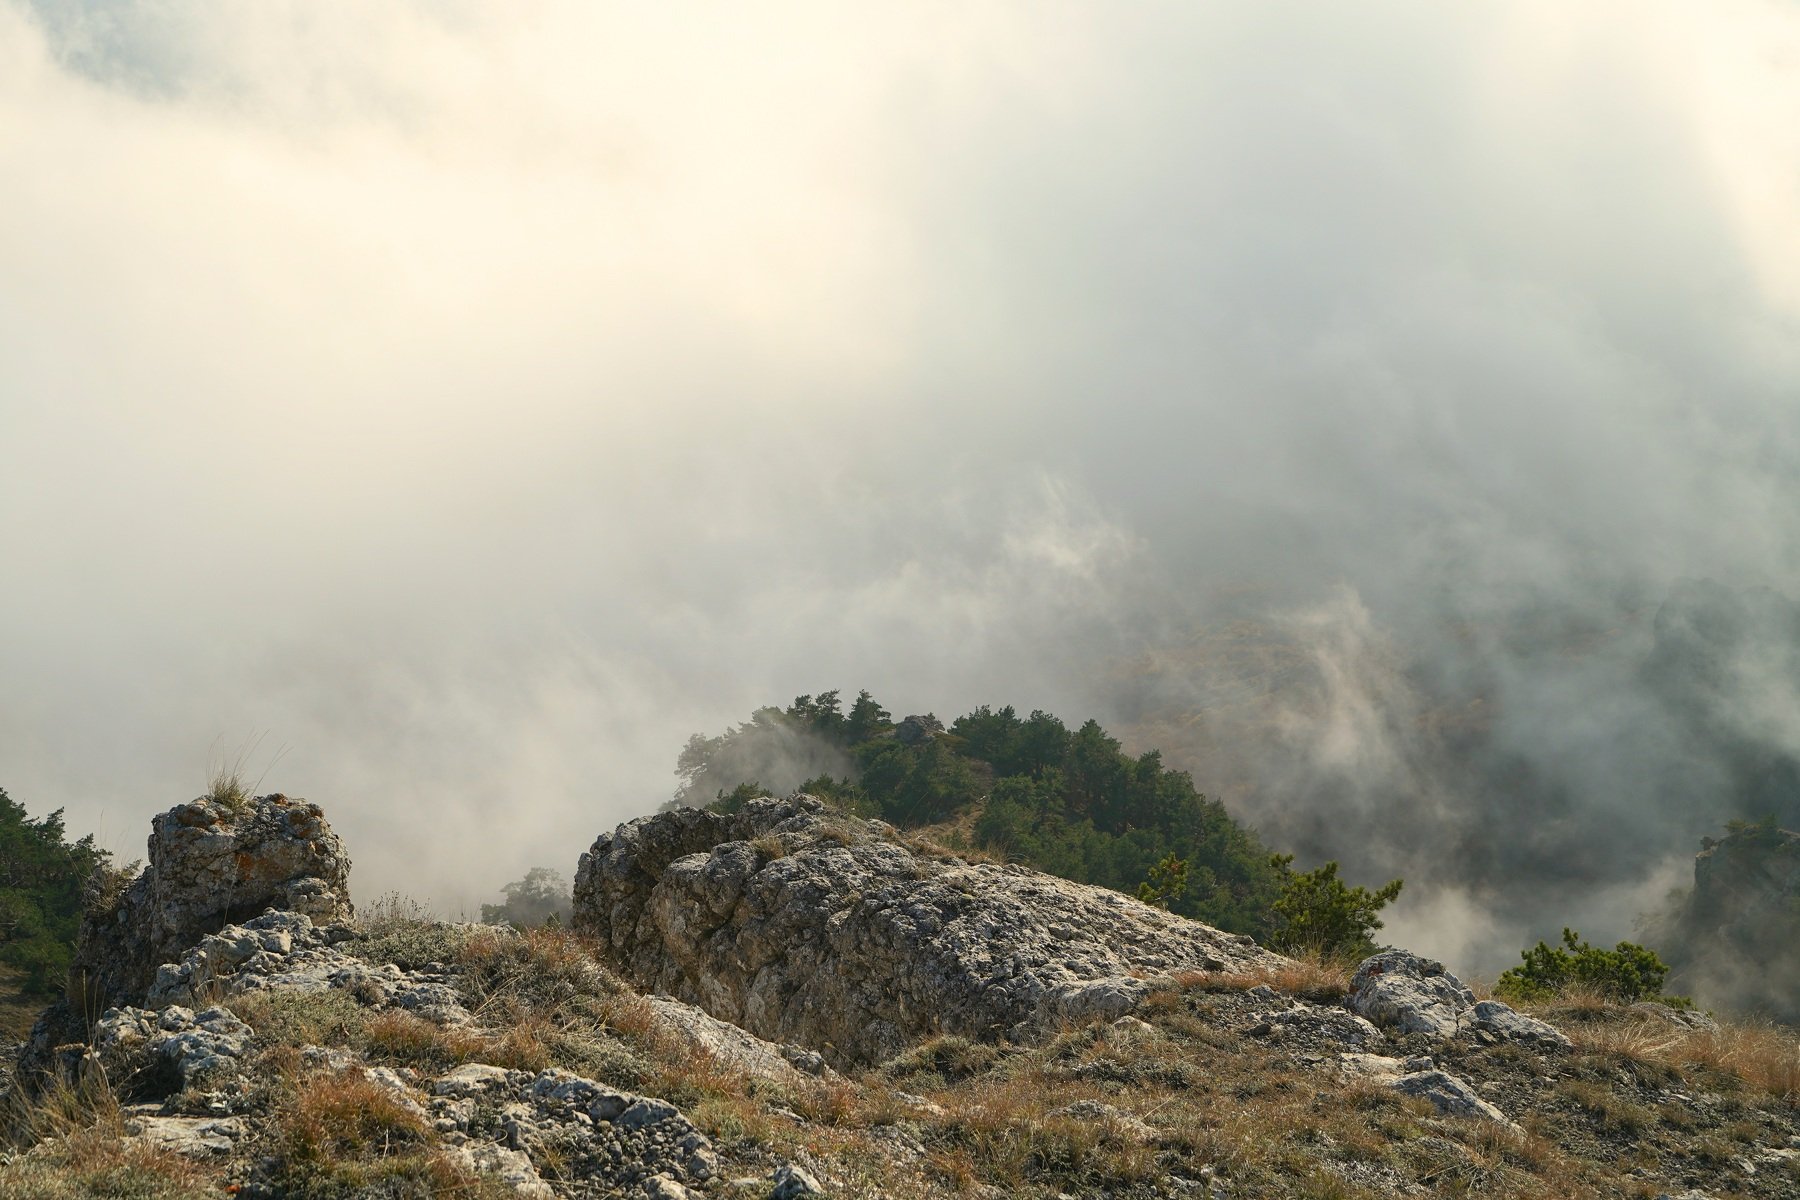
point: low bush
(1627, 973)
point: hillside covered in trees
(42, 879)
(1067, 801)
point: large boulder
(211, 863)
(1407, 993)
(803, 925)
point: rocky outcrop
(802, 925)
(285, 951)
(1405, 993)
(1735, 942)
(593, 1131)
(210, 863)
(734, 1048)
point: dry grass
(769, 845)
(228, 779)
(334, 1116)
(1002, 1130)
(76, 1134)
(1310, 976)
(952, 848)
(1765, 1057)
(392, 910)
(293, 1018)
(60, 1109)
(98, 1162)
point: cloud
(483, 398)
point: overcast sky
(477, 399)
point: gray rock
(1317, 1027)
(592, 1131)
(736, 1048)
(661, 1187)
(1402, 992)
(1449, 1095)
(285, 951)
(194, 1137)
(209, 863)
(791, 1181)
(1681, 1018)
(146, 1054)
(1502, 1022)
(853, 944)
(1405, 993)
(915, 729)
(510, 1167)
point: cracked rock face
(803, 925)
(196, 1057)
(286, 951)
(1406, 993)
(211, 863)
(612, 1140)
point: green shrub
(1318, 912)
(1167, 881)
(1626, 973)
(43, 878)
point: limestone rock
(1402, 992)
(731, 1047)
(1502, 1022)
(791, 1181)
(510, 1167)
(1448, 1095)
(1405, 993)
(286, 951)
(210, 863)
(802, 925)
(592, 1131)
(148, 1054)
(194, 1137)
(1419, 1077)
(1681, 1018)
(1316, 1027)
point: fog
(474, 401)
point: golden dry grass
(1765, 1057)
(98, 1162)
(1310, 976)
(337, 1115)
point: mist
(475, 401)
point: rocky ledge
(803, 925)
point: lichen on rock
(210, 863)
(804, 925)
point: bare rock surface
(1406, 993)
(286, 950)
(614, 1142)
(803, 925)
(210, 863)
(195, 1137)
(1449, 1094)
(735, 1048)
(196, 1057)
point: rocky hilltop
(804, 925)
(842, 1012)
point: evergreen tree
(42, 877)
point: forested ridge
(1067, 801)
